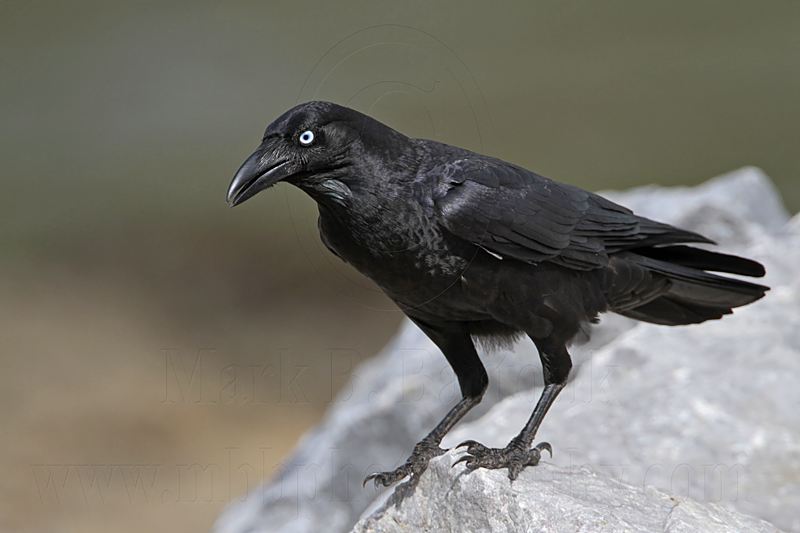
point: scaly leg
(518, 453)
(457, 346)
(427, 448)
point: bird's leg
(518, 453)
(456, 344)
(427, 448)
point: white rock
(668, 405)
(547, 498)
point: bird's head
(309, 145)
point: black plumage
(470, 246)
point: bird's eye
(306, 138)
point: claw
(462, 459)
(473, 447)
(516, 456)
(545, 446)
(379, 478)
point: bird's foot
(516, 456)
(415, 465)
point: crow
(471, 247)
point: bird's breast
(401, 251)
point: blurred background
(162, 353)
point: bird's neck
(375, 203)
(375, 180)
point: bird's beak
(260, 171)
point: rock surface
(548, 498)
(708, 412)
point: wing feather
(516, 213)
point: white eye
(307, 137)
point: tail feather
(670, 311)
(693, 294)
(705, 260)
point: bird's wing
(512, 212)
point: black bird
(470, 246)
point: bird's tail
(678, 287)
